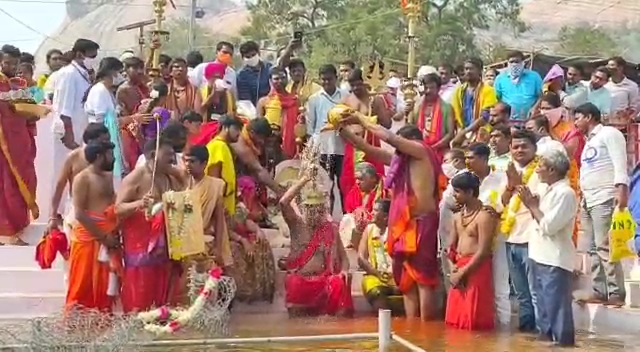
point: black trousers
(333, 164)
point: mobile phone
(297, 35)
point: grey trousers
(607, 277)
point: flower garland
(178, 318)
(509, 216)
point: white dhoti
(501, 281)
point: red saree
(147, 268)
(472, 307)
(17, 169)
(326, 293)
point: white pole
(384, 329)
(410, 346)
(192, 25)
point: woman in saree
(254, 266)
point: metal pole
(384, 329)
(192, 25)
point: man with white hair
(551, 248)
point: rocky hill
(98, 19)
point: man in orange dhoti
(94, 244)
(17, 156)
(317, 282)
(470, 302)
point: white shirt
(99, 102)
(71, 86)
(623, 95)
(604, 165)
(491, 189)
(446, 214)
(550, 243)
(196, 77)
(547, 144)
(318, 107)
(524, 224)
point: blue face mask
(515, 69)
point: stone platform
(28, 292)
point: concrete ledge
(31, 280)
(600, 319)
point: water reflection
(433, 337)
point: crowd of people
(470, 194)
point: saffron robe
(325, 293)
(412, 242)
(88, 277)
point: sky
(43, 16)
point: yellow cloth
(485, 98)
(42, 80)
(273, 110)
(183, 222)
(220, 152)
(305, 90)
(375, 247)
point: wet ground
(433, 337)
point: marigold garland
(509, 215)
(178, 318)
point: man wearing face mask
(224, 55)
(101, 107)
(519, 87)
(94, 232)
(253, 78)
(69, 118)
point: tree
(586, 40)
(178, 44)
(355, 29)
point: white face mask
(252, 61)
(449, 170)
(118, 79)
(90, 63)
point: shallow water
(433, 337)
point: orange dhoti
(472, 307)
(88, 277)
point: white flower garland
(178, 318)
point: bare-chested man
(470, 302)
(183, 96)
(413, 220)
(74, 163)
(131, 93)
(94, 233)
(148, 272)
(317, 281)
(248, 151)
